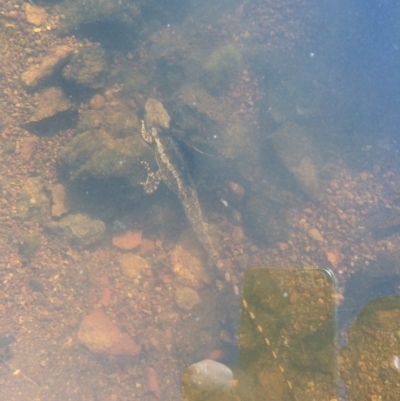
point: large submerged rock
(299, 154)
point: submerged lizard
(173, 171)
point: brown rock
(34, 14)
(97, 102)
(156, 113)
(152, 382)
(315, 234)
(127, 241)
(36, 74)
(52, 101)
(28, 147)
(187, 262)
(132, 265)
(100, 335)
(106, 297)
(186, 298)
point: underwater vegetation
(221, 66)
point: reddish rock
(152, 382)
(100, 335)
(127, 241)
(106, 297)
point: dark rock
(264, 220)
(112, 23)
(300, 156)
(88, 67)
(97, 154)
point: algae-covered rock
(119, 121)
(78, 13)
(103, 166)
(212, 123)
(186, 298)
(221, 66)
(370, 364)
(97, 154)
(132, 265)
(79, 229)
(33, 203)
(88, 67)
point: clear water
(283, 127)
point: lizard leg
(152, 181)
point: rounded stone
(132, 265)
(186, 298)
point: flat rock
(38, 73)
(52, 101)
(100, 335)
